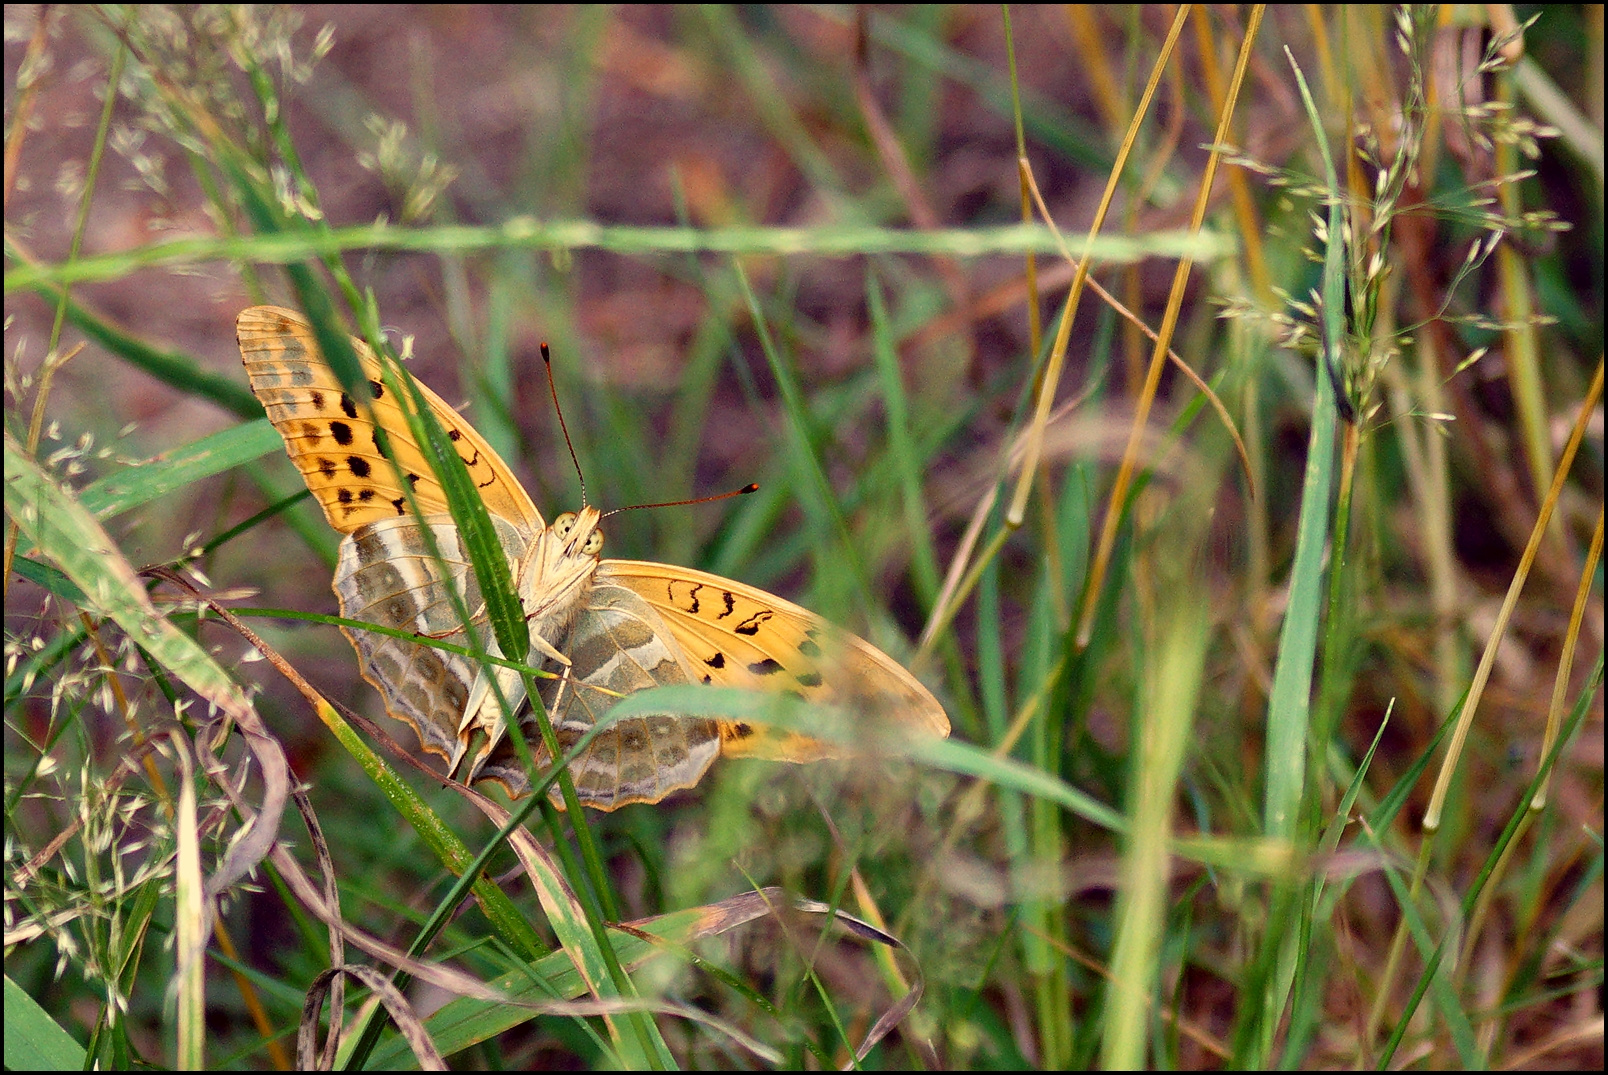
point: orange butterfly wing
(330, 436)
(737, 635)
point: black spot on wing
(752, 624)
(358, 466)
(341, 432)
(767, 667)
(809, 679)
(690, 601)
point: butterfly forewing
(739, 636)
(331, 439)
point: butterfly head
(579, 533)
(558, 568)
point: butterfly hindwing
(617, 644)
(387, 575)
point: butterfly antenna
(751, 487)
(547, 360)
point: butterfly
(605, 628)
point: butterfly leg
(537, 642)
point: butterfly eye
(564, 524)
(594, 543)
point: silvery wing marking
(617, 643)
(387, 576)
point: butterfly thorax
(555, 575)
